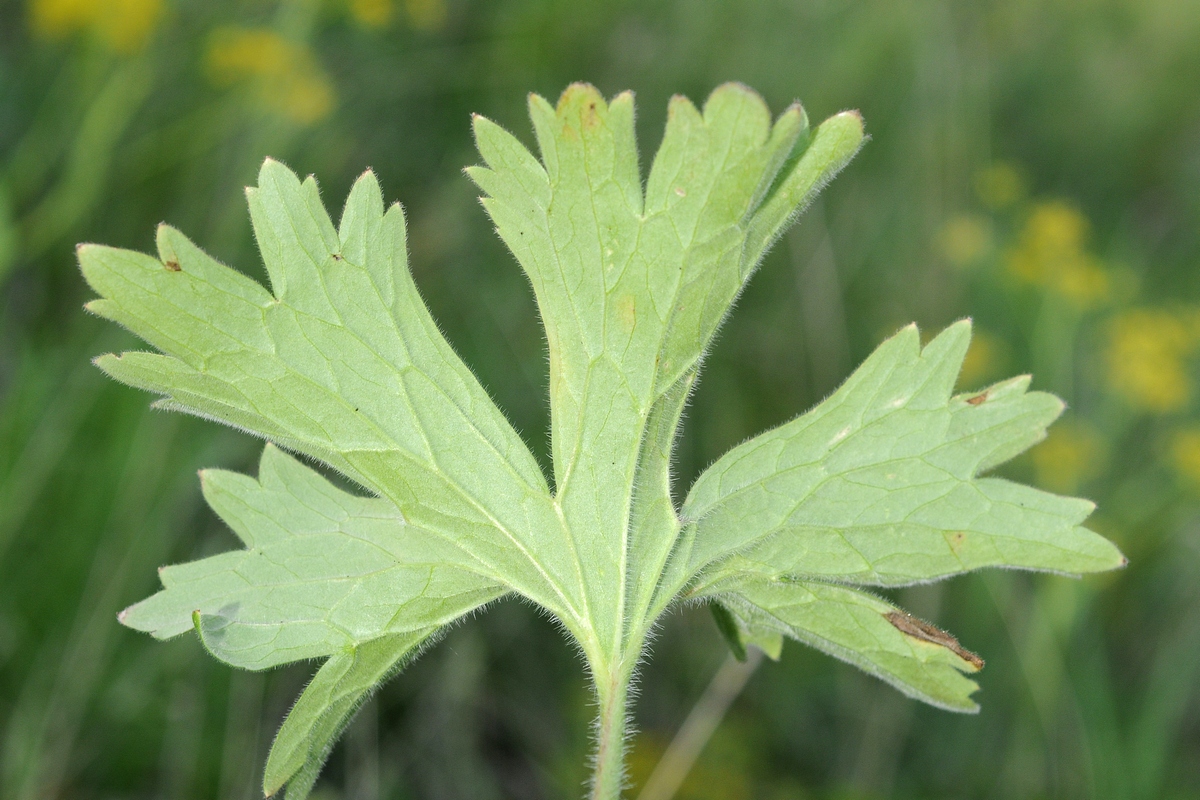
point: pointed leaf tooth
(545, 128)
(318, 216)
(835, 142)
(786, 135)
(1039, 410)
(508, 159)
(770, 642)
(1012, 387)
(213, 276)
(361, 218)
(513, 176)
(598, 138)
(673, 160)
(105, 309)
(269, 246)
(944, 355)
(232, 496)
(620, 124)
(296, 237)
(149, 371)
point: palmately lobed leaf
(632, 285)
(882, 484)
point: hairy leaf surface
(340, 361)
(880, 483)
(322, 571)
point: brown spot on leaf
(956, 539)
(919, 629)
(590, 116)
(172, 265)
(337, 256)
(977, 399)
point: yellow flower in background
(124, 25)
(423, 15)
(1085, 284)
(1147, 359)
(1051, 252)
(56, 18)
(1071, 454)
(999, 186)
(426, 15)
(986, 358)
(127, 24)
(373, 13)
(964, 239)
(286, 74)
(1185, 453)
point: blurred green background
(1035, 165)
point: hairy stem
(612, 690)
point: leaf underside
(340, 362)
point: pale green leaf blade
(708, 177)
(327, 706)
(654, 524)
(630, 291)
(342, 363)
(921, 661)
(322, 571)
(879, 484)
(833, 145)
(573, 225)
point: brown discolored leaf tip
(919, 629)
(579, 90)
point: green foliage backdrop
(1034, 165)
